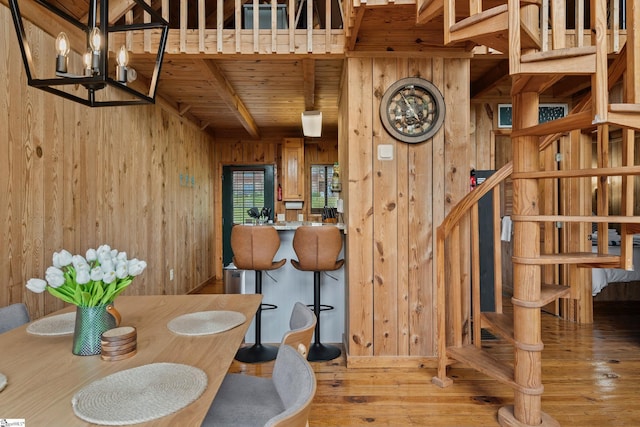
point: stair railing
(454, 318)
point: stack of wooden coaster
(119, 343)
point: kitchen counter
(292, 225)
(287, 285)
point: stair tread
(483, 362)
(500, 323)
(591, 258)
(550, 293)
(478, 17)
(625, 108)
(568, 52)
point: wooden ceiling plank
(309, 73)
(490, 79)
(427, 12)
(230, 97)
(52, 24)
(117, 9)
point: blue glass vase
(91, 322)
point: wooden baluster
(202, 15)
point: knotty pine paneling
(73, 177)
(393, 207)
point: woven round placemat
(139, 394)
(206, 322)
(59, 324)
(3, 381)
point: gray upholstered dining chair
(279, 401)
(12, 316)
(301, 327)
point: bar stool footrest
(323, 307)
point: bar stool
(317, 249)
(253, 249)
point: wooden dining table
(43, 375)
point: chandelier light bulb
(87, 59)
(95, 43)
(95, 39)
(62, 44)
(123, 57)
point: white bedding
(601, 277)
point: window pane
(248, 192)
(321, 194)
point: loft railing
(246, 27)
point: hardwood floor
(591, 375)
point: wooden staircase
(546, 268)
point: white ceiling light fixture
(312, 123)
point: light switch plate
(385, 152)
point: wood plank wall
(239, 151)
(73, 177)
(392, 207)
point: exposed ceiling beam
(229, 95)
(170, 105)
(183, 108)
(309, 73)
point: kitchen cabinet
(293, 169)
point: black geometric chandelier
(92, 62)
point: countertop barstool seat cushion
(283, 399)
(254, 247)
(12, 316)
(317, 248)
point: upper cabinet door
(293, 169)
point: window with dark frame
(321, 194)
(248, 192)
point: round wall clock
(412, 110)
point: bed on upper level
(611, 284)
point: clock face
(412, 110)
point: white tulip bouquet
(95, 279)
